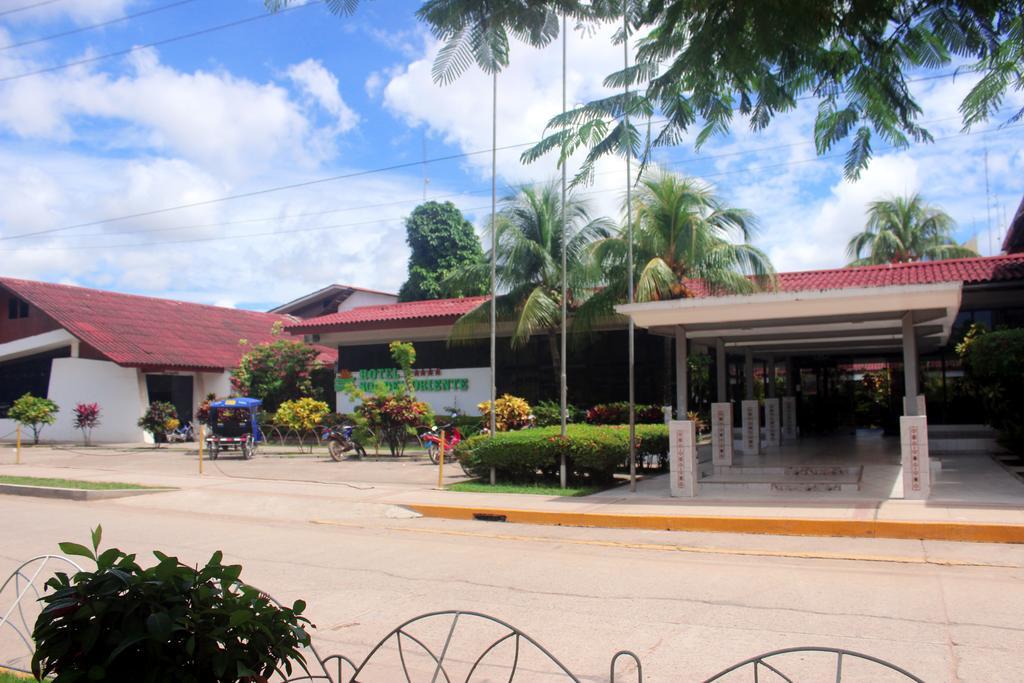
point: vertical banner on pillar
(789, 417)
(682, 461)
(721, 434)
(772, 433)
(914, 456)
(751, 427)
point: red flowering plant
(618, 413)
(87, 418)
(392, 415)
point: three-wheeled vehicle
(234, 425)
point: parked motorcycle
(432, 440)
(182, 433)
(339, 442)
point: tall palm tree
(902, 229)
(686, 242)
(529, 265)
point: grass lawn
(478, 486)
(6, 677)
(68, 484)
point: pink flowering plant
(86, 419)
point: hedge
(593, 452)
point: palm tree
(687, 242)
(903, 229)
(529, 265)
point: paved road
(688, 604)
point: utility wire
(24, 8)
(92, 27)
(156, 43)
(463, 193)
(335, 226)
(309, 183)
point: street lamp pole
(562, 475)
(629, 238)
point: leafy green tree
(529, 265)
(685, 241)
(441, 241)
(34, 412)
(902, 229)
(699, 63)
(277, 371)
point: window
(16, 308)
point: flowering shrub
(277, 371)
(160, 418)
(392, 417)
(34, 412)
(512, 413)
(87, 418)
(618, 414)
(301, 415)
(203, 411)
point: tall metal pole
(564, 379)
(494, 251)
(629, 239)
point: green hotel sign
(424, 379)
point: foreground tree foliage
(441, 241)
(902, 229)
(697, 64)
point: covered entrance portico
(773, 327)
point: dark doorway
(174, 389)
(27, 375)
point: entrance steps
(805, 478)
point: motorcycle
(339, 442)
(432, 439)
(181, 434)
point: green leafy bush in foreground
(168, 622)
(592, 452)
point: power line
(411, 200)
(155, 43)
(92, 27)
(24, 8)
(746, 170)
(285, 187)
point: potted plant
(161, 417)
(167, 622)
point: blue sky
(307, 95)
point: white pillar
(682, 374)
(789, 426)
(910, 369)
(772, 434)
(914, 456)
(748, 371)
(721, 368)
(682, 461)
(721, 434)
(751, 427)
(770, 377)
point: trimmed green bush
(593, 451)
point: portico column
(682, 374)
(721, 367)
(748, 371)
(910, 369)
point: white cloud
(320, 84)
(81, 12)
(229, 124)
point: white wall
(466, 401)
(359, 298)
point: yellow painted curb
(781, 526)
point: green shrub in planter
(592, 451)
(168, 622)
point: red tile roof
(440, 311)
(142, 331)
(435, 310)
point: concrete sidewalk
(412, 485)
